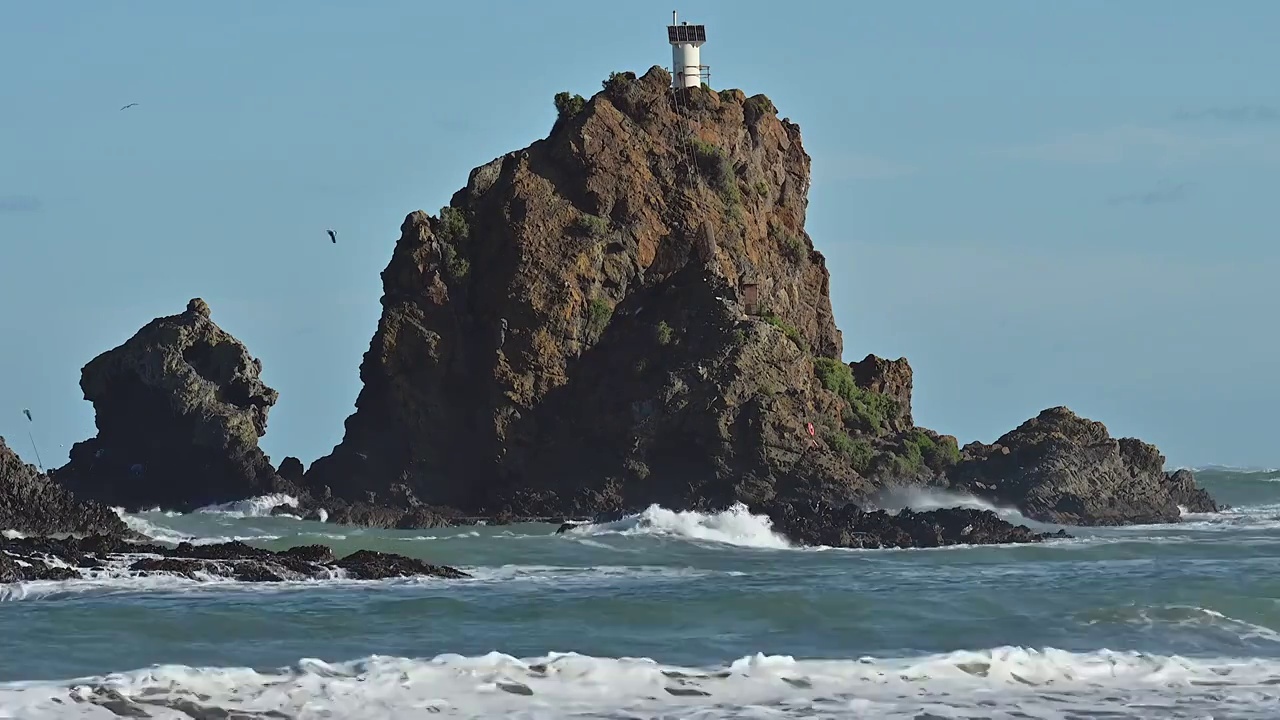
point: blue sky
(1037, 204)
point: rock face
(70, 559)
(627, 312)
(32, 504)
(179, 409)
(1062, 468)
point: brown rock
(568, 336)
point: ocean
(672, 615)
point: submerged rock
(32, 504)
(1059, 467)
(26, 559)
(179, 409)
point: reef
(43, 558)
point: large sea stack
(179, 409)
(629, 311)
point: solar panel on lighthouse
(686, 33)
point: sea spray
(734, 526)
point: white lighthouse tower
(686, 41)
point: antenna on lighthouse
(686, 41)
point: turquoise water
(670, 615)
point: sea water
(674, 615)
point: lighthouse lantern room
(686, 41)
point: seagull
(333, 236)
(126, 107)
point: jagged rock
(66, 559)
(574, 333)
(179, 410)
(32, 504)
(291, 469)
(1059, 467)
(850, 527)
(891, 378)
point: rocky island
(628, 312)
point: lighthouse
(686, 41)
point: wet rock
(27, 559)
(179, 409)
(371, 565)
(1059, 467)
(851, 527)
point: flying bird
(333, 236)
(126, 107)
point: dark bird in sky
(126, 107)
(333, 236)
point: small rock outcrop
(892, 379)
(179, 409)
(1059, 467)
(32, 504)
(851, 527)
(25, 559)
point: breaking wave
(735, 526)
(1000, 682)
(159, 533)
(253, 507)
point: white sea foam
(1250, 517)
(925, 499)
(1003, 682)
(735, 526)
(143, 526)
(117, 578)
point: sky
(1037, 204)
